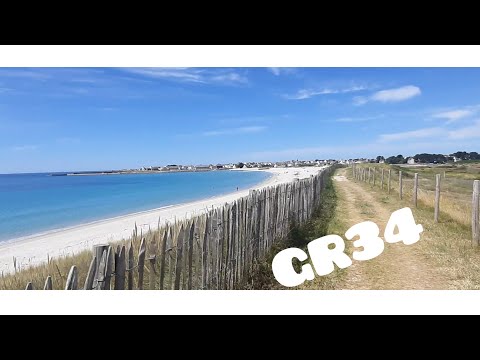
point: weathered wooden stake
(90, 275)
(382, 177)
(98, 252)
(99, 283)
(415, 190)
(191, 238)
(141, 263)
(437, 197)
(163, 254)
(400, 185)
(109, 268)
(120, 269)
(131, 266)
(178, 260)
(72, 279)
(48, 284)
(389, 180)
(374, 171)
(475, 212)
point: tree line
(431, 158)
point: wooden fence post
(475, 213)
(141, 263)
(110, 267)
(191, 238)
(178, 260)
(72, 279)
(120, 268)
(369, 170)
(131, 265)
(415, 190)
(99, 283)
(374, 171)
(152, 260)
(400, 185)
(389, 180)
(437, 197)
(99, 276)
(48, 284)
(382, 177)
(205, 252)
(90, 275)
(163, 254)
(98, 252)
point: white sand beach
(36, 249)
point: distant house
(411, 161)
(203, 167)
(220, 167)
(172, 167)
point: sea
(38, 203)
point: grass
(58, 268)
(447, 244)
(326, 220)
(456, 186)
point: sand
(35, 249)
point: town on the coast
(417, 159)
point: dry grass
(447, 244)
(334, 223)
(456, 186)
(58, 268)
(327, 219)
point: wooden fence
(362, 173)
(215, 250)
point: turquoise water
(34, 203)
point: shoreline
(36, 249)
(132, 214)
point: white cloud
(21, 148)
(234, 131)
(192, 75)
(230, 78)
(468, 132)
(438, 134)
(308, 93)
(277, 71)
(409, 135)
(454, 115)
(390, 95)
(359, 119)
(274, 70)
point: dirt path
(399, 267)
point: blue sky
(63, 119)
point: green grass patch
(325, 221)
